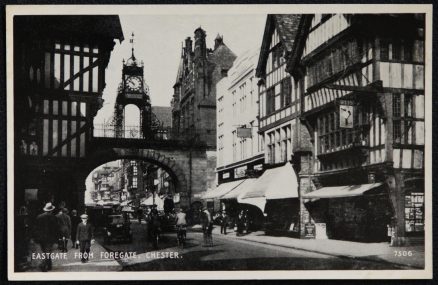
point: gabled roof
(287, 27)
(293, 60)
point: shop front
(352, 212)
(275, 193)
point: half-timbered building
(59, 76)
(363, 105)
(276, 191)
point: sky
(158, 41)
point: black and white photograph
(219, 142)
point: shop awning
(276, 183)
(341, 191)
(242, 188)
(259, 202)
(222, 189)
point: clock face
(133, 83)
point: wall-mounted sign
(134, 96)
(244, 133)
(225, 175)
(346, 114)
(258, 167)
(240, 171)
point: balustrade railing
(156, 134)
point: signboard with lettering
(240, 171)
(134, 96)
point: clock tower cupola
(133, 90)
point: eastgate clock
(134, 83)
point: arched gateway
(190, 164)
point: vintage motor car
(118, 227)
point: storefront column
(394, 183)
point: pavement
(71, 261)
(382, 252)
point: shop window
(414, 212)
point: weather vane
(132, 42)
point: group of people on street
(51, 229)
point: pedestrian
(75, 220)
(22, 237)
(207, 227)
(181, 224)
(47, 234)
(154, 226)
(240, 223)
(84, 237)
(139, 214)
(224, 222)
(64, 224)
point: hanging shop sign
(244, 132)
(346, 114)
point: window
(384, 49)
(270, 101)
(271, 147)
(414, 208)
(396, 105)
(397, 131)
(396, 50)
(286, 89)
(408, 105)
(134, 170)
(134, 182)
(277, 53)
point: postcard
(179, 142)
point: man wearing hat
(84, 236)
(47, 234)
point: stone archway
(173, 162)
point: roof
(223, 56)
(163, 114)
(243, 64)
(96, 26)
(287, 27)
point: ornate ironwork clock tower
(133, 90)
